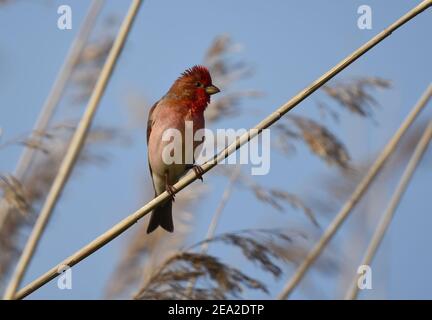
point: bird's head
(194, 87)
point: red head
(194, 88)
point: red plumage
(186, 100)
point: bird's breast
(172, 124)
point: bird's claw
(171, 191)
(198, 172)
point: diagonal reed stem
(392, 206)
(54, 97)
(129, 221)
(356, 196)
(73, 151)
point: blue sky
(289, 44)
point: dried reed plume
(275, 197)
(226, 74)
(21, 198)
(354, 95)
(89, 67)
(266, 249)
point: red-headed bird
(186, 100)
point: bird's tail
(162, 216)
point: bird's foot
(198, 171)
(171, 191)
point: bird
(186, 100)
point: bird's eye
(199, 84)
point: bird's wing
(150, 121)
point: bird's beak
(212, 89)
